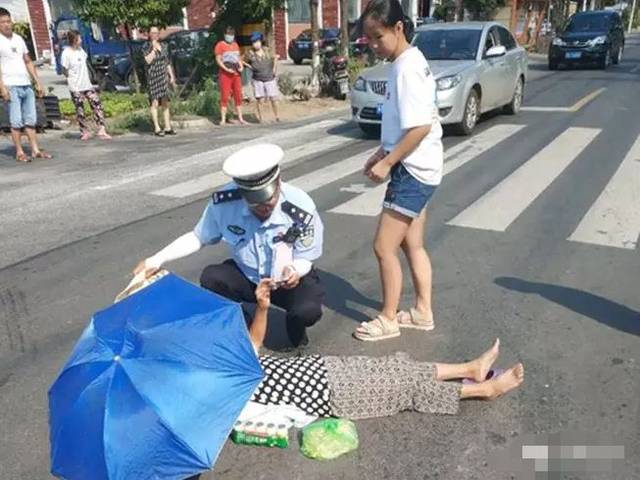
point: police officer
(273, 231)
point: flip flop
(493, 373)
(22, 158)
(416, 320)
(43, 155)
(377, 329)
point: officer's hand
(291, 278)
(147, 266)
(4, 92)
(39, 90)
(263, 293)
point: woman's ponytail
(388, 13)
(407, 25)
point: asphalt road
(533, 236)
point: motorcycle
(335, 75)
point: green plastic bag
(329, 438)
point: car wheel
(297, 61)
(553, 65)
(618, 57)
(371, 130)
(513, 107)
(471, 114)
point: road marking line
(614, 219)
(369, 204)
(214, 156)
(572, 109)
(324, 176)
(501, 205)
(214, 180)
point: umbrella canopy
(153, 386)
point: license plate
(344, 86)
(573, 55)
(379, 109)
(304, 44)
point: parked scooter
(334, 78)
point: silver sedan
(478, 67)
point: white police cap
(255, 170)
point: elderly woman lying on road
(358, 387)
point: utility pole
(344, 28)
(633, 9)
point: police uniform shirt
(251, 240)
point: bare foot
(506, 382)
(482, 364)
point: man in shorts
(16, 72)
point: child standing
(74, 67)
(411, 153)
(264, 74)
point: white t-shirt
(75, 61)
(12, 52)
(411, 102)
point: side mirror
(494, 52)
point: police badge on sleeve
(306, 237)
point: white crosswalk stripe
(614, 218)
(499, 207)
(214, 180)
(369, 204)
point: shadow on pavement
(340, 293)
(593, 306)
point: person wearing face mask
(227, 53)
(263, 66)
(273, 231)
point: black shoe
(170, 132)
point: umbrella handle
(138, 282)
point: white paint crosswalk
(369, 204)
(614, 218)
(501, 205)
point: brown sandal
(22, 158)
(43, 155)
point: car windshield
(448, 44)
(588, 23)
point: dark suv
(300, 47)
(595, 37)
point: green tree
(483, 9)
(130, 14)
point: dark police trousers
(303, 304)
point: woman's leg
(392, 229)
(98, 112)
(78, 103)
(475, 369)
(496, 387)
(166, 105)
(237, 97)
(420, 264)
(154, 115)
(225, 92)
(274, 106)
(259, 102)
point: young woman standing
(411, 153)
(159, 77)
(74, 67)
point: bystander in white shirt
(12, 52)
(411, 102)
(75, 61)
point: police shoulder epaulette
(296, 213)
(225, 196)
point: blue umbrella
(153, 386)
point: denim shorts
(405, 194)
(22, 107)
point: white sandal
(415, 320)
(377, 329)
